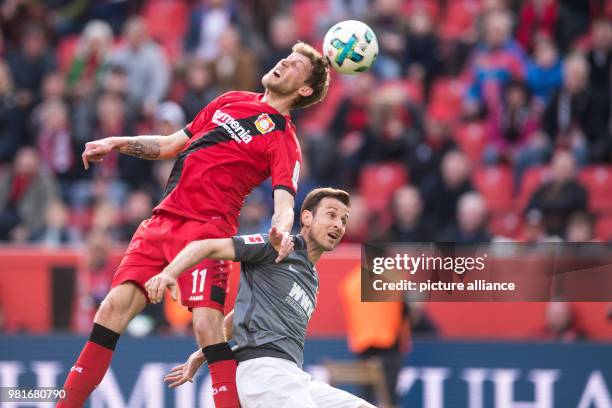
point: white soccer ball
(350, 46)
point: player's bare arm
(182, 373)
(143, 147)
(282, 221)
(191, 255)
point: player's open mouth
(332, 235)
(276, 73)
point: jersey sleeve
(285, 163)
(254, 249)
(203, 117)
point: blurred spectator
(422, 57)
(340, 10)
(471, 224)
(391, 27)
(283, 34)
(200, 88)
(25, 191)
(394, 123)
(94, 279)
(572, 22)
(580, 228)
(575, 118)
(600, 54)
(358, 225)
(54, 87)
(29, 64)
(255, 214)
(442, 193)
(209, 19)
(544, 71)
(169, 118)
(67, 15)
(91, 58)
(9, 136)
(106, 218)
(426, 154)
(421, 325)
(534, 230)
(537, 18)
(58, 229)
(512, 126)
(137, 208)
(563, 195)
(235, 67)
(493, 64)
(352, 112)
(57, 151)
(145, 63)
(561, 323)
(409, 224)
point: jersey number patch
(197, 273)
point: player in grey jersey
(274, 304)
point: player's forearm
(190, 256)
(145, 147)
(282, 219)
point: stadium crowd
(480, 119)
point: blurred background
(481, 120)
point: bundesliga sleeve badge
(264, 124)
(253, 239)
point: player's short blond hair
(319, 77)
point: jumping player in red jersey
(234, 144)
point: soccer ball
(350, 47)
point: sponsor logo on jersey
(253, 239)
(196, 298)
(232, 126)
(300, 301)
(264, 124)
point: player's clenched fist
(96, 150)
(157, 285)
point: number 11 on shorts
(195, 275)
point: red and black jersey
(236, 142)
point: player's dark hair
(312, 200)
(319, 77)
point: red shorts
(157, 241)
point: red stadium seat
(429, 6)
(378, 182)
(496, 184)
(318, 118)
(598, 182)
(459, 19)
(306, 14)
(603, 228)
(472, 140)
(447, 95)
(167, 21)
(532, 179)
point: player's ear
(306, 218)
(305, 91)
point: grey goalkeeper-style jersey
(275, 300)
